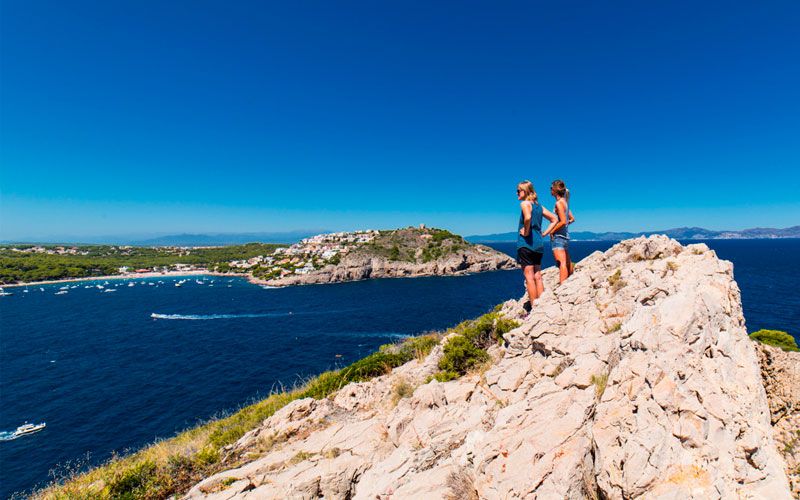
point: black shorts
(527, 257)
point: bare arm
(547, 214)
(526, 216)
(561, 222)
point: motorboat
(61, 292)
(27, 428)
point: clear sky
(166, 116)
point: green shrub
(132, 481)
(776, 338)
(486, 329)
(443, 376)
(460, 355)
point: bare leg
(530, 283)
(570, 265)
(537, 279)
(563, 265)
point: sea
(110, 372)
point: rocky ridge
(633, 378)
(359, 266)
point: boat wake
(199, 317)
(8, 436)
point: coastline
(169, 274)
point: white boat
(179, 284)
(27, 428)
(109, 290)
(64, 288)
(131, 284)
(61, 292)
(6, 294)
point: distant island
(324, 258)
(680, 233)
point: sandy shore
(168, 274)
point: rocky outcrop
(635, 378)
(780, 371)
(360, 266)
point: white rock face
(635, 378)
(356, 267)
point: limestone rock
(781, 374)
(356, 266)
(634, 378)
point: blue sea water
(114, 371)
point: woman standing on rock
(530, 246)
(559, 234)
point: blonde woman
(530, 246)
(558, 229)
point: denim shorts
(559, 242)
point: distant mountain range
(680, 233)
(188, 240)
(226, 238)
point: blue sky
(157, 117)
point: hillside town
(305, 256)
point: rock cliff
(781, 374)
(360, 266)
(633, 378)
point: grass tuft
(616, 281)
(401, 389)
(600, 382)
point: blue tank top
(563, 231)
(534, 240)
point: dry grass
(461, 486)
(301, 456)
(615, 327)
(616, 281)
(600, 382)
(401, 389)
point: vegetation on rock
(776, 338)
(467, 348)
(171, 466)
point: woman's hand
(522, 232)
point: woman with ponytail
(530, 245)
(558, 231)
